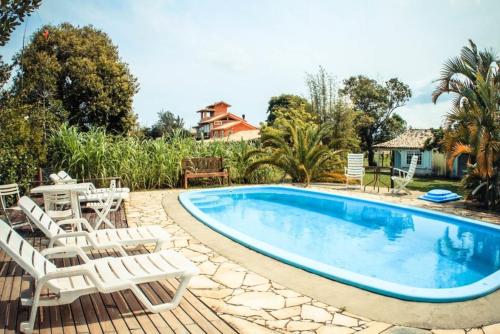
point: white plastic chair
(103, 207)
(89, 238)
(11, 192)
(404, 177)
(104, 275)
(58, 205)
(355, 169)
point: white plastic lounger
(92, 239)
(61, 178)
(103, 275)
(94, 194)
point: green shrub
(145, 163)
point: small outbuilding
(430, 162)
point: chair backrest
(210, 164)
(355, 162)
(41, 219)
(412, 168)
(7, 190)
(57, 199)
(23, 253)
(61, 178)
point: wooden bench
(195, 168)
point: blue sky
(188, 54)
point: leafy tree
(462, 72)
(167, 124)
(473, 124)
(376, 103)
(77, 70)
(436, 141)
(12, 13)
(391, 128)
(23, 147)
(286, 102)
(331, 109)
(4, 74)
(297, 149)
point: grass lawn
(421, 183)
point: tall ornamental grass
(146, 163)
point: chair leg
(165, 306)
(27, 327)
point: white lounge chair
(92, 239)
(355, 169)
(104, 275)
(404, 177)
(94, 194)
(62, 178)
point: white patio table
(74, 189)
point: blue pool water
(399, 251)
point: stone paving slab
(251, 302)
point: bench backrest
(200, 165)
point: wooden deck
(118, 312)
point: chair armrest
(62, 250)
(69, 235)
(78, 222)
(91, 239)
(401, 173)
(84, 270)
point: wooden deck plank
(88, 314)
(4, 287)
(5, 301)
(119, 312)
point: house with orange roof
(216, 122)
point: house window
(410, 154)
(217, 123)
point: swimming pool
(399, 251)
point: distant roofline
(217, 103)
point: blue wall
(425, 168)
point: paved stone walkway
(252, 303)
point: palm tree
(473, 124)
(462, 71)
(296, 148)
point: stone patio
(253, 303)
